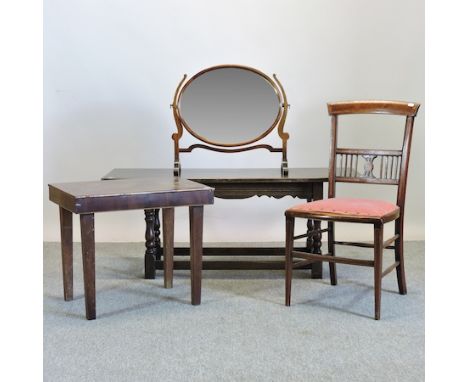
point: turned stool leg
(196, 251)
(89, 267)
(168, 237)
(66, 233)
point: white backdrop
(111, 68)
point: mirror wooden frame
(279, 122)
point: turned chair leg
(331, 251)
(288, 259)
(378, 252)
(400, 269)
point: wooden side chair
(379, 167)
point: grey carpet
(241, 332)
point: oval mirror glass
(229, 106)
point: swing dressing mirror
(230, 108)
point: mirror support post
(284, 168)
(283, 135)
(177, 169)
(176, 136)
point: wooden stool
(86, 198)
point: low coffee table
(86, 198)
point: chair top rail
(410, 109)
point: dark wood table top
(125, 194)
(219, 175)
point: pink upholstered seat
(346, 207)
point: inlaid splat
(369, 166)
(361, 165)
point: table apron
(245, 190)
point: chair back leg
(399, 257)
(378, 252)
(331, 252)
(288, 260)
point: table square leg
(66, 234)
(168, 237)
(89, 267)
(196, 251)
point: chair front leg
(378, 252)
(331, 251)
(288, 259)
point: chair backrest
(378, 166)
